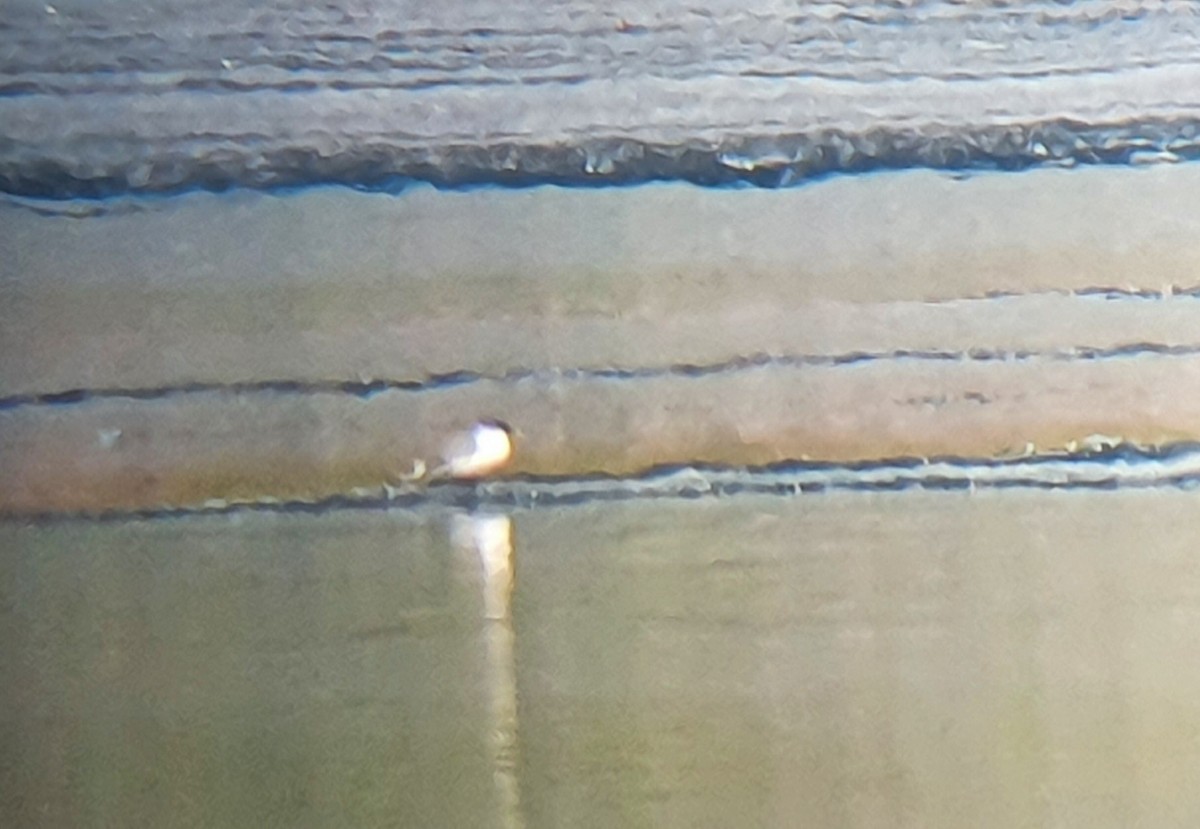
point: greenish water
(906, 659)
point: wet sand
(186, 450)
(251, 346)
(329, 284)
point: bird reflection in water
(489, 536)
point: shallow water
(910, 659)
(108, 98)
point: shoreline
(251, 346)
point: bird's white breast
(490, 448)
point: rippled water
(101, 99)
(924, 659)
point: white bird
(479, 451)
(486, 447)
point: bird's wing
(454, 451)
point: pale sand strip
(186, 449)
(335, 285)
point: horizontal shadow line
(365, 389)
(1109, 468)
(750, 157)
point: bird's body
(483, 449)
(468, 455)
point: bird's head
(490, 424)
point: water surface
(908, 659)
